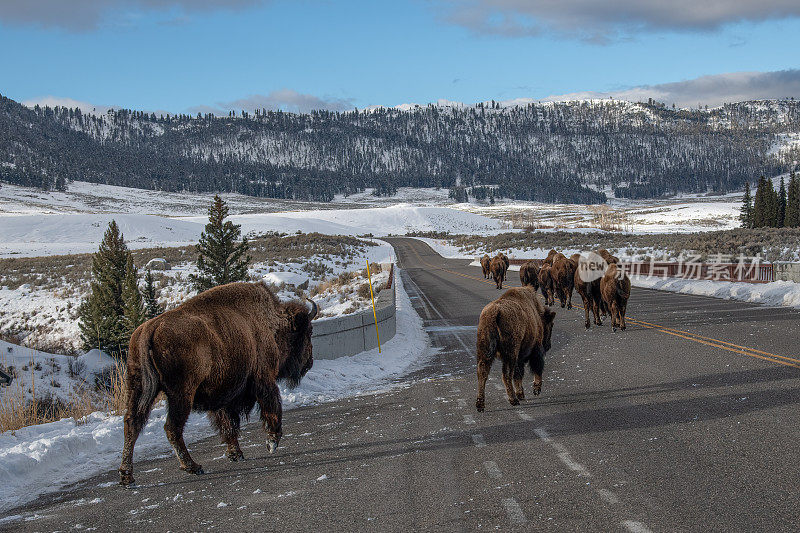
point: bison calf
(516, 328)
(546, 284)
(615, 288)
(222, 352)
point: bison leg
(536, 363)
(622, 309)
(569, 298)
(272, 415)
(484, 365)
(614, 316)
(586, 305)
(519, 373)
(508, 372)
(227, 423)
(596, 311)
(137, 410)
(178, 409)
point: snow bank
(776, 293)
(43, 458)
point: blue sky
(206, 55)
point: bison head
(547, 321)
(300, 357)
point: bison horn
(314, 309)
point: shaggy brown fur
(506, 262)
(605, 254)
(615, 288)
(529, 274)
(546, 284)
(485, 261)
(516, 328)
(590, 294)
(563, 274)
(222, 351)
(498, 269)
(550, 256)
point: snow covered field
(33, 457)
(775, 294)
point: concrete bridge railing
(352, 334)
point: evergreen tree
(133, 306)
(746, 216)
(760, 204)
(221, 259)
(101, 315)
(792, 218)
(773, 205)
(152, 307)
(781, 204)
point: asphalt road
(687, 421)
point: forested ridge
(551, 152)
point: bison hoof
(587, 325)
(195, 469)
(480, 406)
(520, 396)
(126, 478)
(234, 456)
(513, 401)
(537, 390)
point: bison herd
(516, 327)
(225, 350)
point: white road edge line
(514, 511)
(608, 496)
(525, 416)
(468, 419)
(478, 440)
(635, 527)
(492, 469)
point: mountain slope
(562, 152)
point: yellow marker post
(374, 313)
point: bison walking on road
(587, 284)
(498, 269)
(615, 288)
(529, 274)
(546, 284)
(222, 352)
(506, 262)
(563, 274)
(485, 262)
(516, 328)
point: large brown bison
(222, 352)
(587, 284)
(563, 274)
(605, 254)
(498, 269)
(485, 261)
(546, 283)
(516, 328)
(506, 262)
(615, 288)
(529, 274)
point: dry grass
(107, 395)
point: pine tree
(792, 218)
(133, 306)
(152, 307)
(746, 216)
(759, 204)
(221, 259)
(781, 204)
(772, 212)
(101, 315)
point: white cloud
(601, 21)
(711, 90)
(85, 15)
(283, 99)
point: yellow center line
(708, 341)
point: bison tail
(149, 376)
(489, 337)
